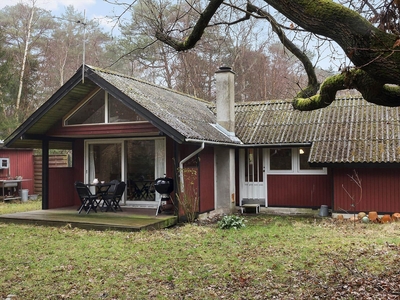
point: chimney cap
(224, 69)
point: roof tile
(349, 130)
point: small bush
(232, 221)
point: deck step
(255, 207)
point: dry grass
(272, 257)
(15, 206)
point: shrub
(231, 221)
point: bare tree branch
(313, 84)
(197, 31)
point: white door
(252, 176)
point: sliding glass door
(138, 162)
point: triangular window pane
(92, 112)
(118, 112)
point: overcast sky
(94, 9)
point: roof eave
(43, 109)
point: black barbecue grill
(165, 186)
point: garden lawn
(272, 257)
(14, 206)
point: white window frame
(106, 111)
(295, 165)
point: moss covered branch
(374, 53)
(372, 90)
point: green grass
(15, 206)
(281, 257)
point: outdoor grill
(164, 186)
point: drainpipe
(182, 185)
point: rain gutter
(241, 145)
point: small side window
(280, 159)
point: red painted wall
(21, 164)
(61, 180)
(380, 190)
(104, 129)
(61, 188)
(207, 181)
(308, 191)
(204, 165)
(169, 157)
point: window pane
(304, 154)
(141, 157)
(90, 113)
(254, 165)
(141, 169)
(105, 162)
(118, 112)
(280, 159)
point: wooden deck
(129, 220)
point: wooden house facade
(222, 154)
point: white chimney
(225, 94)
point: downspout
(182, 185)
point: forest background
(40, 51)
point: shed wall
(21, 164)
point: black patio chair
(112, 200)
(149, 192)
(110, 191)
(134, 192)
(114, 184)
(88, 200)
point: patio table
(101, 190)
(141, 189)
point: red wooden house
(122, 128)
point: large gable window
(102, 108)
(291, 161)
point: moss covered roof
(350, 130)
(189, 116)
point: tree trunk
(21, 78)
(367, 47)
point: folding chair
(109, 191)
(88, 200)
(114, 184)
(112, 200)
(135, 193)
